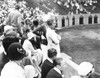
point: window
(81, 20)
(63, 22)
(90, 20)
(73, 21)
(95, 19)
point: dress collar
(55, 68)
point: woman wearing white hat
(86, 70)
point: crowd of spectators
(77, 6)
(72, 7)
(31, 46)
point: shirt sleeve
(28, 47)
(55, 37)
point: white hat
(7, 28)
(84, 68)
(30, 35)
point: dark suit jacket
(53, 74)
(94, 75)
(46, 67)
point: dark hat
(9, 40)
(16, 52)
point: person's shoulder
(47, 63)
(95, 75)
(52, 71)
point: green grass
(82, 45)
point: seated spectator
(30, 69)
(56, 72)
(48, 63)
(86, 70)
(14, 68)
(3, 56)
(33, 52)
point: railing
(70, 67)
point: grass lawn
(82, 44)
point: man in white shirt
(52, 37)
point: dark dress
(46, 67)
(53, 74)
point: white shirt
(56, 69)
(52, 36)
(28, 47)
(30, 71)
(53, 40)
(50, 60)
(12, 70)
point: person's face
(63, 64)
(54, 57)
(54, 23)
(52, 27)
